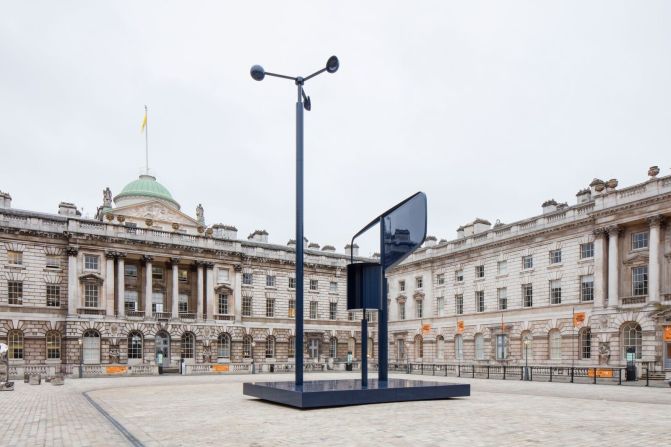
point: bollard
(647, 376)
(504, 372)
(458, 370)
(488, 371)
(619, 376)
(433, 367)
(571, 374)
(594, 376)
(550, 374)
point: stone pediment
(158, 212)
(638, 258)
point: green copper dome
(146, 186)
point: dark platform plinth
(334, 393)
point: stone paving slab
(211, 410)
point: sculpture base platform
(336, 393)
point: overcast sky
(489, 107)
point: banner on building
(667, 333)
(578, 319)
(460, 326)
(116, 369)
(426, 328)
(220, 368)
(600, 373)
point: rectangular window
(53, 295)
(246, 306)
(292, 308)
(459, 275)
(223, 275)
(587, 250)
(270, 280)
(91, 295)
(292, 282)
(527, 295)
(401, 310)
(14, 257)
(270, 307)
(501, 347)
(480, 301)
(91, 262)
(401, 286)
(157, 273)
(183, 275)
(440, 279)
(555, 256)
(459, 304)
(527, 262)
(223, 304)
(479, 271)
(350, 316)
(313, 310)
(130, 300)
(555, 291)
(183, 303)
(157, 302)
(333, 287)
(314, 285)
(333, 311)
(639, 240)
(440, 306)
(639, 280)
(15, 292)
(419, 282)
(248, 278)
(130, 271)
(587, 288)
(419, 308)
(502, 298)
(502, 267)
(53, 262)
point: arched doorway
(91, 347)
(162, 346)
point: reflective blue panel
(404, 229)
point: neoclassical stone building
(144, 284)
(498, 294)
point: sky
(490, 107)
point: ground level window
(501, 347)
(224, 346)
(631, 338)
(247, 347)
(585, 343)
(134, 345)
(53, 345)
(15, 345)
(270, 347)
(188, 345)
(333, 347)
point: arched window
(458, 347)
(440, 347)
(351, 346)
(188, 350)
(53, 345)
(291, 347)
(247, 347)
(333, 347)
(270, 347)
(91, 347)
(631, 338)
(419, 347)
(224, 345)
(479, 347)
(134, 345)
(15, 344)
(585, 337)
(371, 348)
(527, 346)
(554, 341)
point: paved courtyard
(208, 410)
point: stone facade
(144, 277)
(607, 258)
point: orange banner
(220, 368)
(600, 373)
(426, 328)
(578, 319)
(116, 369)
(667, 333)
(460, 326)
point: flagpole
(573, 338)
(146, 140)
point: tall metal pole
(299, 235)
(364, 350)
(146, 139)
(382, 335)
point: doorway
(162, 340)
(313, 348)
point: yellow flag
(144, 122)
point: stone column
(175, 287)
(109, 283)
(148, 285)
(209, 290)
(73, 283)
(613, 266)
(600, 270)
(237, 294)
(199, 290)
(121, 285)
(653, 261)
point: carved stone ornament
(149, 222)
(614, 230)
(120, 218)
(72, 251)
(201, 228)
(209, 231)
(653, 171)
(109, 217)
(654, 221)
(604, 352)
(599, 232)
(175, 226)
(612, 183)
(114, 354)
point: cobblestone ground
(206, 410)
